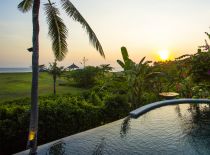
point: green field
(17, 85)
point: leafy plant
(105, 68)
(200, 91)
(86, 77)
(138, 76)
(200, 66)
(56, 72)
(184, 87)
(116, 107)
(128, 63)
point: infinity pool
(178, 129)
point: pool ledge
(136, 113)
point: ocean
(26, 70)
(15, 70)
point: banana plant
(137, 76)
(128, 63)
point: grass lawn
(17, 85)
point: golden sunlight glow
(163, 54)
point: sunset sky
(143, 26)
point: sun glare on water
(163, 54)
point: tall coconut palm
(58, 33)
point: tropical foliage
(138, 77)
(57, 29)
(63, 115)
(56, 72)
(86, 77)
(58, 33)
(106, 95)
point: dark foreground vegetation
(59, 116)
(107, 97)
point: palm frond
(57, 31)
(74, 13)
(25, 5)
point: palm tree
(58, 33)
(42, 68)
(55, 71)
(106, 68)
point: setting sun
(163, 54)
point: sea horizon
(15, 69)
(29, 69)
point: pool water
(178, 129)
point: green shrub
(59, 116)
(86, 77)
(95, 99)
(116, 107)
(149, 98)
(65, 117)
(200, 91)
(200, 66)
(13, 128)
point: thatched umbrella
(72, 67)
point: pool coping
(144, 109)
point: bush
(116, 107)
(13, 128)
(201, 66)
(95, 99)
(149, 98)
(200, 91)
(86, 77)
(59, 116)
(65, 117)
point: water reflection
(178, 110)
(100, 147)
(57, 149)
(125, 126)
(196, 126)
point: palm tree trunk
(33, 128)
(54, 84)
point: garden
(102, 96)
